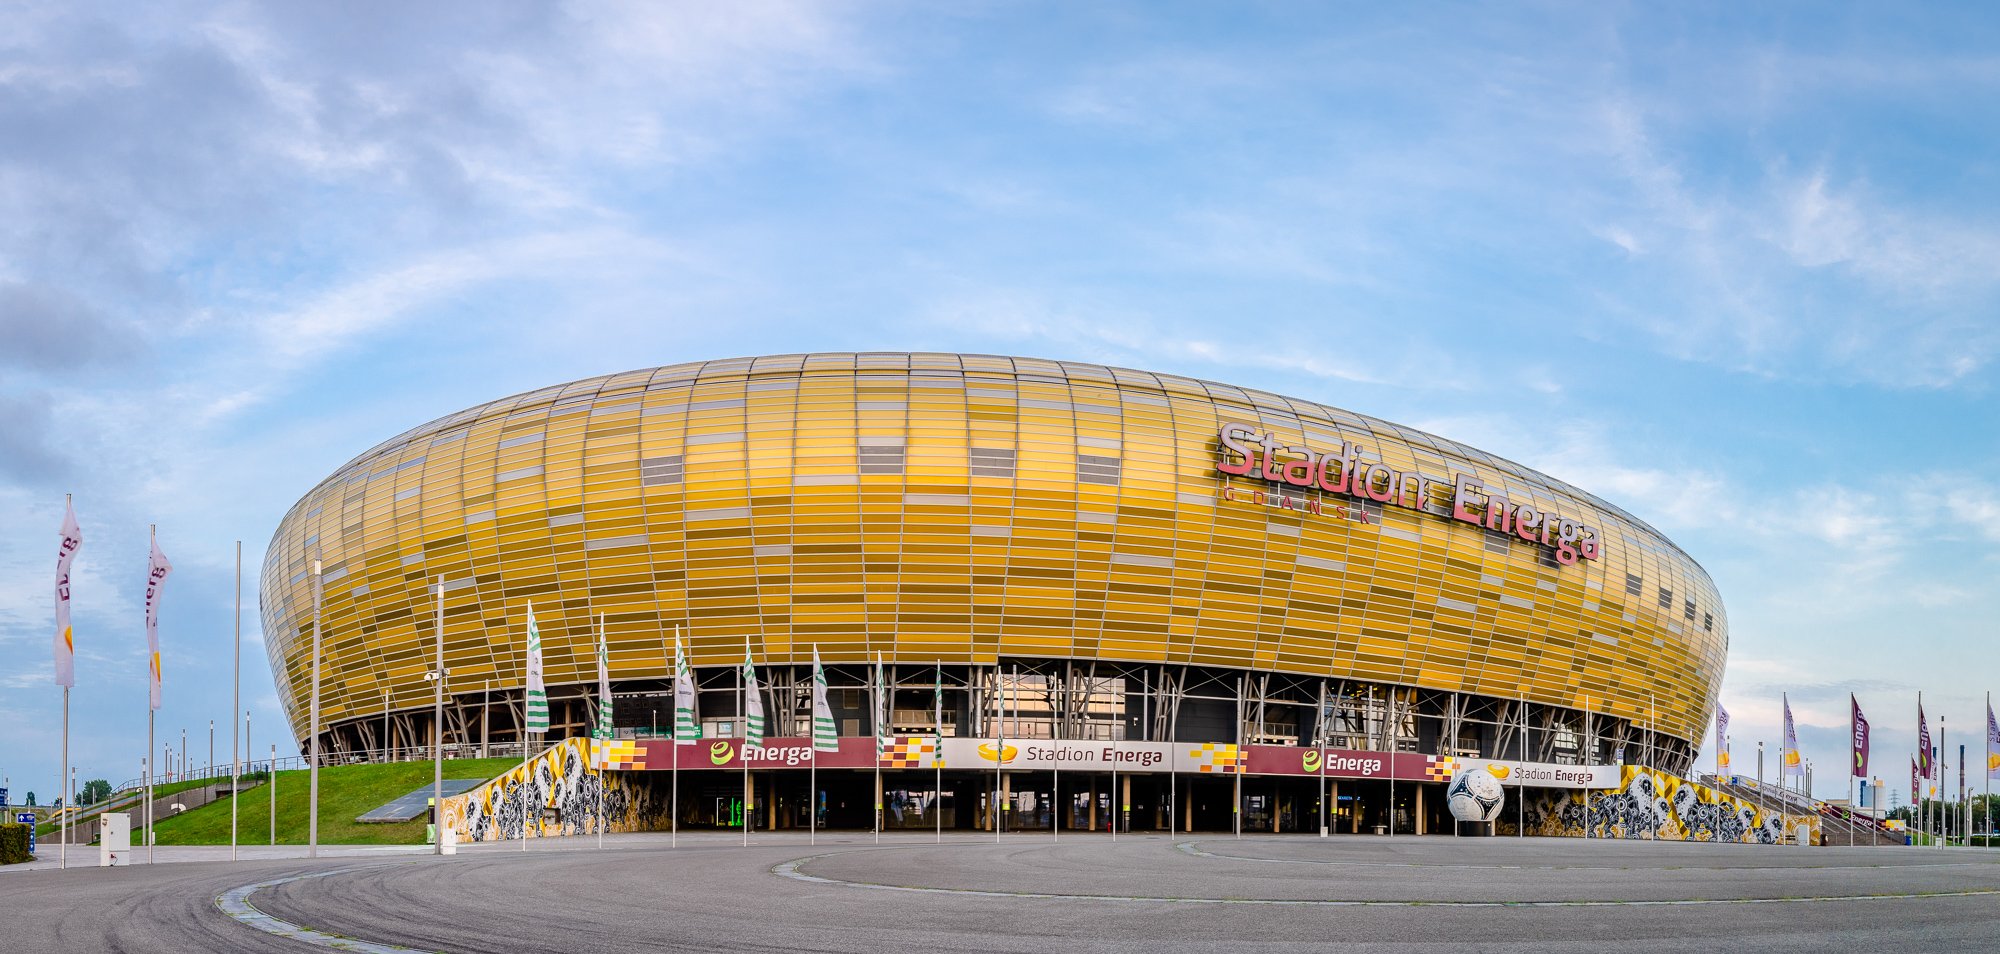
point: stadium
(1134, 598)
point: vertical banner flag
(65, 645)
(685, 727)
(1923, 741)
(1859, 723)
(937, 702)
(824, 737)
(753, 705)
(1916, 785)
(603, 729)
(1992, 744)
(537, 695)
(1721, 740)
(1793, 765)
(883, 737)
(156, 577)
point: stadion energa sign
(1249, 452)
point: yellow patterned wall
(1653, 804)
(955, 508)
(563, 779)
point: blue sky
(1732, 270)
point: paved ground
(1086, 894)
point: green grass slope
(345, 793)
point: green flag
(686, 729)
(884, 735)
(825, 739)
(753, 705)
(602, 730)
(538, 697)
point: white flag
(537, 694)
(156, 577)
(687, 727)
(825, 738)
(603, 728)
(753, 704)
(72, 538)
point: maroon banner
(776, 752)
(1345, 763)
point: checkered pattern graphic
(1440, 768)
(1218, 758)
(909, 752)
(622, 754)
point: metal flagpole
(743, 751)
(812, 768)
(526, 776)
(437, 729)
(274, 793)
(1319, 730)
(1988, 801)
(1937, 761)
(1521, 788)
(63, 852)
(937, 758)
(1390, 762)
(1057, 807)
(674, 823)
(312, 728)
(236, 703)
(153, 535)
(68, 651)
(604, 755)
(881, 711)
(1236, 796)
(999, 743)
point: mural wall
(559, 790)
(1651, 804)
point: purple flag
(1923, 741)
(1860, 727)
(1992, 744)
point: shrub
(13, 843)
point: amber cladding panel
(956, 508)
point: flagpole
(605, 745)
(999, 742)
(743, 751)
(674, 822)
(63, 853)
(312, 728)
(526, 775)
(153, 537)
(937, 760)
(812, 767)
(61, 598)
(437, 730)
(880, 713)
(235, 703)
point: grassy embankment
(161, 790)
(345, 793)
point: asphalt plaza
(1030, 893)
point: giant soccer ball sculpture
(1475, 796)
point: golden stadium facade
(1040, 549)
